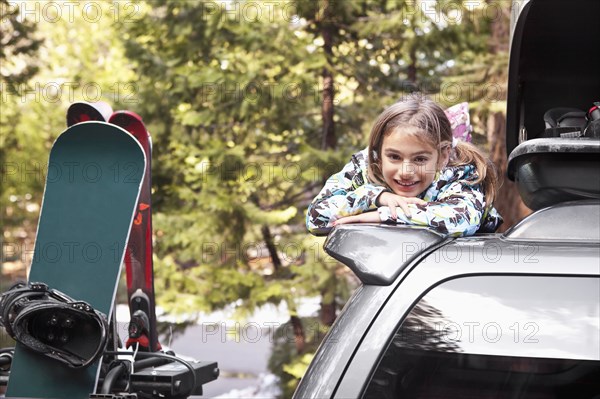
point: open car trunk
(554, 63)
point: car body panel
(540, 245)
(378, 253)
(461, 258)
(341, 341)
(578, 221)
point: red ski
(84, 111)
(138, 254)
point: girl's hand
(392, 201)
(367, 217)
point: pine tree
(19, 45)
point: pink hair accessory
(458, 115)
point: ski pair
(138, 254)
(95, 216)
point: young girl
(413, 172)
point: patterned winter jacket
(454, 206)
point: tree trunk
(327, 29)
(508, 201)
(268, 238)
(327, 109)
(299, 337)
(500, 33)
(327, 313)
(412, 67)
(328, 309)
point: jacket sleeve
(456, 212)
(345, 193)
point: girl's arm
(457, 211)
(345, 193)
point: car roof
(377, 254)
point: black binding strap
(51, 323)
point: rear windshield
(497, 337)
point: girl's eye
(420, 159)
(394, 157)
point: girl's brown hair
(416, 114)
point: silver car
(513, 315)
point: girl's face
(409, 165)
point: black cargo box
(554, 63)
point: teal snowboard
(92, 187)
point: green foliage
(236, 119)
(232, 96)
(19, 46)
(285, 361)
(239, 105)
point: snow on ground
(266, 314)
(266, 389)
(242, 356)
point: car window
(497, 337)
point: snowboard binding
(50, 322)
(140, 326)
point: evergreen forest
(251, 105)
